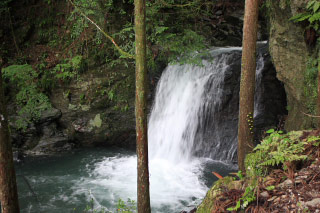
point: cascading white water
(181, 106)
(193, 120)
(174, 117)
(187, 102)
(257, 98)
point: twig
(13, 36)
(121, 51)
(176, 5)
(313, 116)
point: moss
(96, 122)
(207, 204)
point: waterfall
(192, 128)
(191, 115)
(192, 131)
(175, 115)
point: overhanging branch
(121, 51)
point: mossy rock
(221, 185)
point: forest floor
(296, 189)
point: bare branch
(313, 116)
(121, 51)
(177, 5)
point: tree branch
(176, 5)
(313, 116)
(121, 51)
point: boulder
(49, 115)
(49, 145)
(290, 54)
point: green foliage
(270, 188)
(30, 100)
(246, 199)
(179, 41)
(315, 140)
(240, 175)
(128, 207)
(111, 95)
(122, 207)
(275, 150)
(311, 82)
(171, 32)
(70, 69)
(118, 91)
(312, 15)
(79, 23)
(4, 6)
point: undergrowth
(30, 100)
(128, 206)
(276, 151)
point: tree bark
(141, 107)
(318, 101)
(8, 187)
(247, 83)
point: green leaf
(294, 18)
(310, 4)
(270, 131)
(314, 17)
(270, 188)
(316, 6)
(160, 30)
(302, 18)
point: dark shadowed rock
(217, 134)
(49, 145)
(49, 115)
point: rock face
(95, 109)
(98, 109)
(290, 55)
(217, 134)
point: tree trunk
(247, 83)
(8, 187)
(318, 101)
(141, 107)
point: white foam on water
(175, 174)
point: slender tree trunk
(8, 187)
(247, 83)
(141, 107)
(318, 101)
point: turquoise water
(100, 177)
